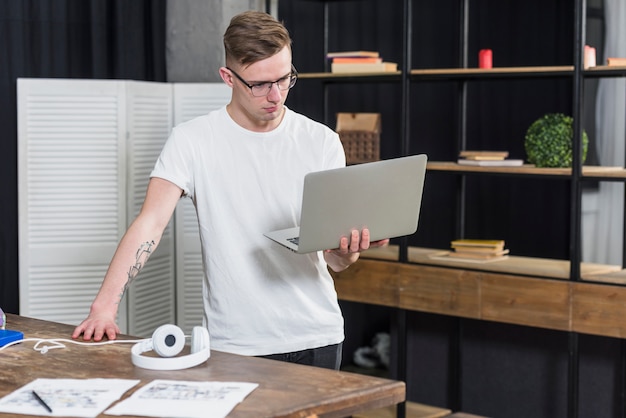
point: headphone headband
(167, 341)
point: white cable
(58, 343)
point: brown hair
(253, 36)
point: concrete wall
(194, 49)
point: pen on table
(41, 401)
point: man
(243, 166)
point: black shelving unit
(462, 76)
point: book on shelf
(447, 256)
(484, 158)
(381, 67)
(478, 255)
(493, 244)
(487, 158)
(616, 62)
(483, 155)
(357, 60)
(345, 54)
(508, 162)
(478, 249)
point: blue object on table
(8, 336)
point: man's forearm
(127, 263)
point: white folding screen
(191, 100)
(71, 192)
(85, 152)
(151, 298)
(85, 148)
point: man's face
(262, 112)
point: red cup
(485, 58)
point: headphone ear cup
(199, 339)
(168, 340)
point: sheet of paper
(66, 397)
(174, 398)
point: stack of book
(487, 158)
(616, 62)
(478, 249)
(359, 62)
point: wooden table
(285, 389)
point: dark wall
(509, 370)
(497, 370)
(65, 39)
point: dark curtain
(93, 39)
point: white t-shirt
(259, 298)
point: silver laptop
(384, 196)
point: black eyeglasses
(263, 89)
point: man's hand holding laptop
(350, 248)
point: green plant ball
(548, 141)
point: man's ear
(226, 75)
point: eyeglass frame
(293, 77)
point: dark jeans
(328, 357)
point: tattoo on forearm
(143, 253)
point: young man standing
(243, 166)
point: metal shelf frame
(464, 75)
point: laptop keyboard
(294, 240)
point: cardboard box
(360, 136)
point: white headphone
(167, 341)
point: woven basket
(360, 136)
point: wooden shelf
(516, 265)
(496, 72)
(471, 73)
(542, 302)
(464, 73)
(591, 172)
(343, 76)
(613, 277)
(476, 73)
(413, 410)
(459, 73)
(605, 71)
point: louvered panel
(189, 219)
(86, 148)
(72, 168)
(153, 297)
(150, 123)
(64, 293)
(190, 101)
(151, 302)
(189, 270)
(191, 315)
(71, 194)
